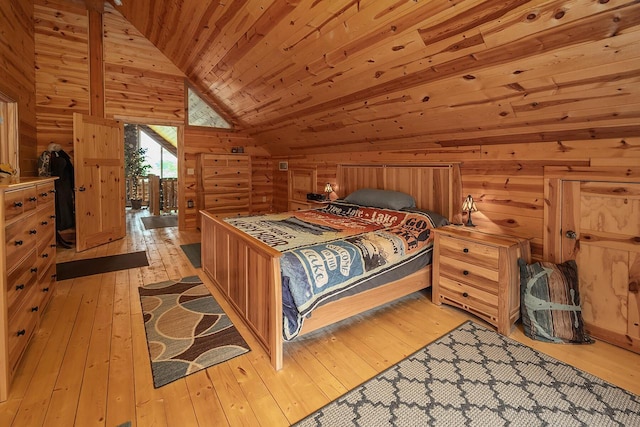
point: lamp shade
(469, 206)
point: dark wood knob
(21, 332)
(45, 289)
(464, 294)
(465, 272)
(19, 242)
(34, 309)
(33, 231)
(19, 287)
(17, 204)
(465, 250)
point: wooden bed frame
(247, 271)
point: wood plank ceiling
(308, 76)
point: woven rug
(105, 264)
(151, 222)
(186, 328)
(474, 376)
(193, 253)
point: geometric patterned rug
(474, 376)
(186, 329)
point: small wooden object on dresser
(224, 184)
(28, 266)
(478, 272)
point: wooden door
(98, 149)
(600, 223)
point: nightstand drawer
(472, 299)
(463, 271)
(470, 252)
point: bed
(249, 272)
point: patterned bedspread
(330, 250)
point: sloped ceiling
(308, 76)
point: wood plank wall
(505, 180)
(17, 50)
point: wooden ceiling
(311, 76)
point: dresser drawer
(20, 238)
(471, 252)
(21, 280)
(22, 323)
(46, 285)
(45, 193)
(13, 204)
(227, 185)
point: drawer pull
(464, 294)
(34, 309)
(45, 289)
(43, 194)
(52, 216)
(34, 269)
(17, 204)
(44, 223)
(32, 199)
(33, 231)
(53, 276)
(21, 332)
(465, 250)
(53, 190)
(53, 245)
(19, 287)
(45, 255)
(19, 242)
(465, 272)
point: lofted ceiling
(308, 76)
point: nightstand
(299, 205)
(478, 272)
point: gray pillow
(387, 199)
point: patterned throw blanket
(333, 249)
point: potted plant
(135, 166)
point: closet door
(600, 226)
(98, 150)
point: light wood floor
(88, 365)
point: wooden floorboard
(88, 365)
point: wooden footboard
(247, 272)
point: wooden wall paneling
(96, 63)
(17, 56)
(262, 182)
(139, 80)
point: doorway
(151, 168)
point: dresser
(28, 266)
(223, 184)
(478, 272)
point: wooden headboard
(436, 187)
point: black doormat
(192, 251)
(105, 264)
(159, 221)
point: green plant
(135, 166)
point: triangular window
(201, 113)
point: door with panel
(98, 149)
(600, 229)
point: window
(201, 113)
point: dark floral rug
(187, 330)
